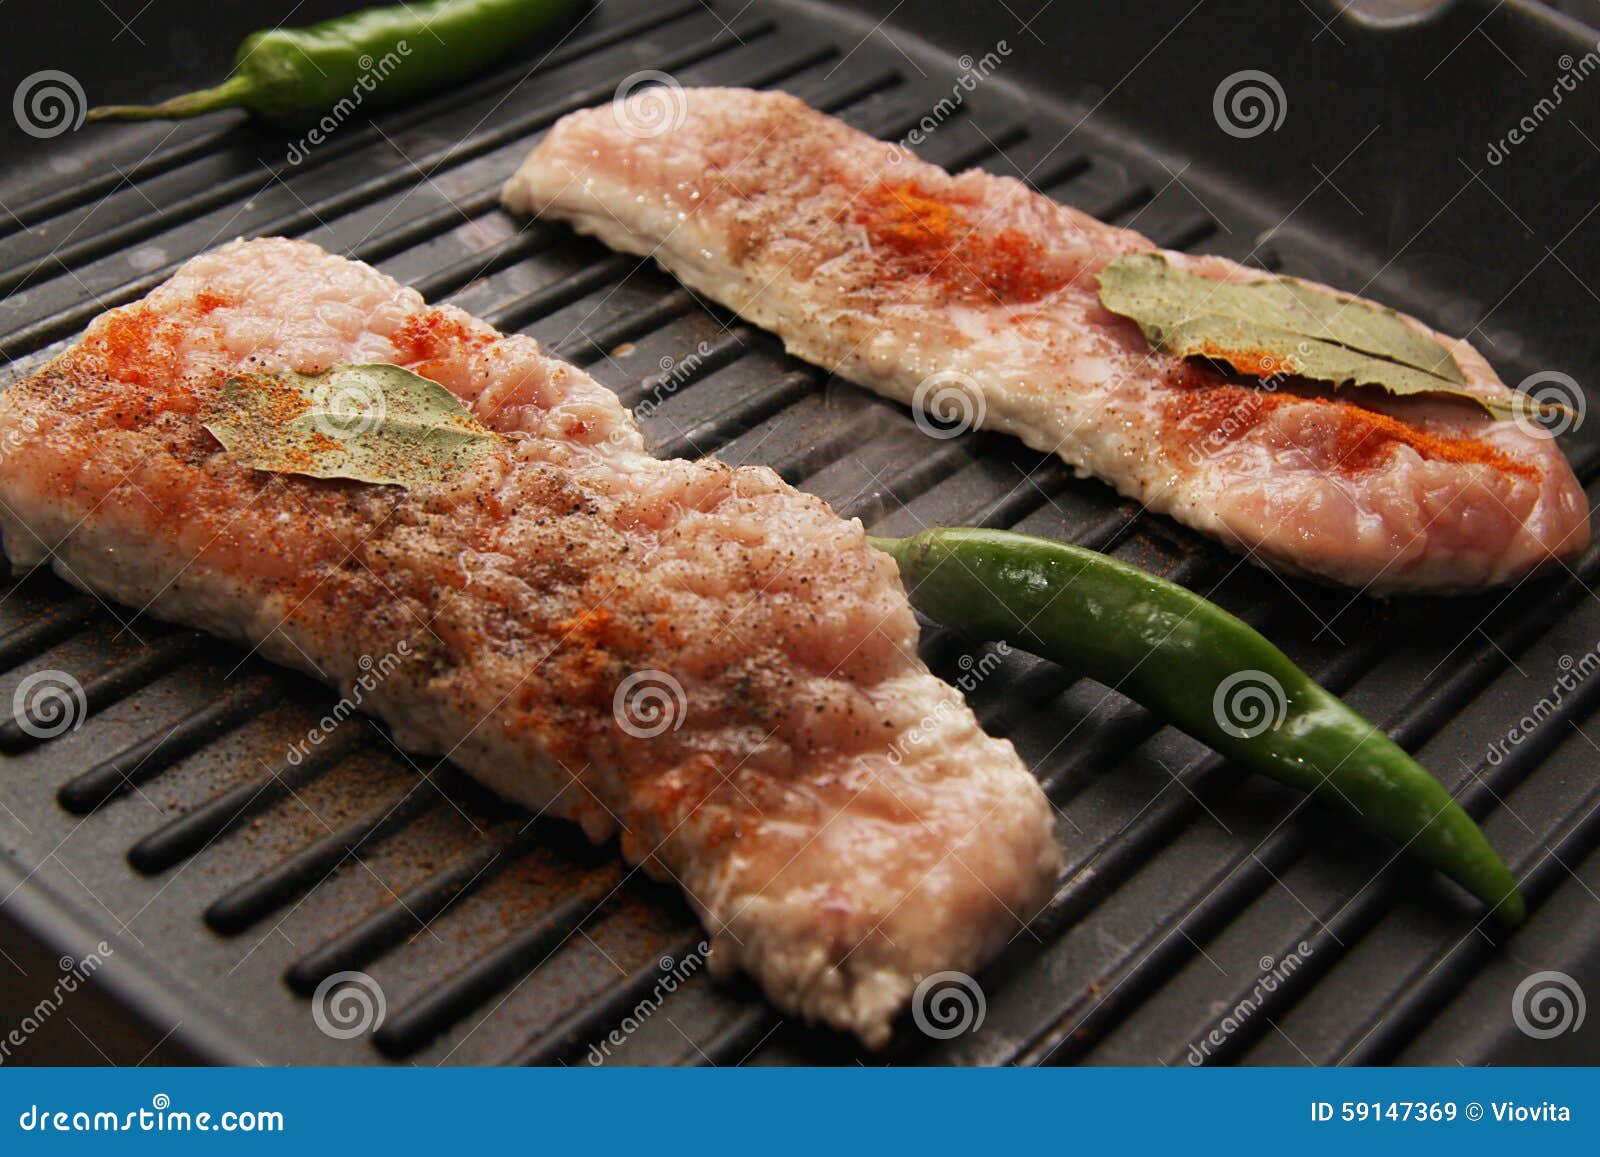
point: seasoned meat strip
(694, 657)
(978, 297)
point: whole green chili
(1200, 668)
(378, 56)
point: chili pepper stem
(231, 93)
(293, 76)
(1181, 656)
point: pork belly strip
(889, 272)
(831, 809)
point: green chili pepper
(1205, 671)
(378, 56)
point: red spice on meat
(1362, 439)
(434, 335)
(1252, 363)
(916, 234)
(278, 403)
(136, 346)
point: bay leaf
(374, 423)
(1281, 326)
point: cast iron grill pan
(234, 882)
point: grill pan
(229, 883)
